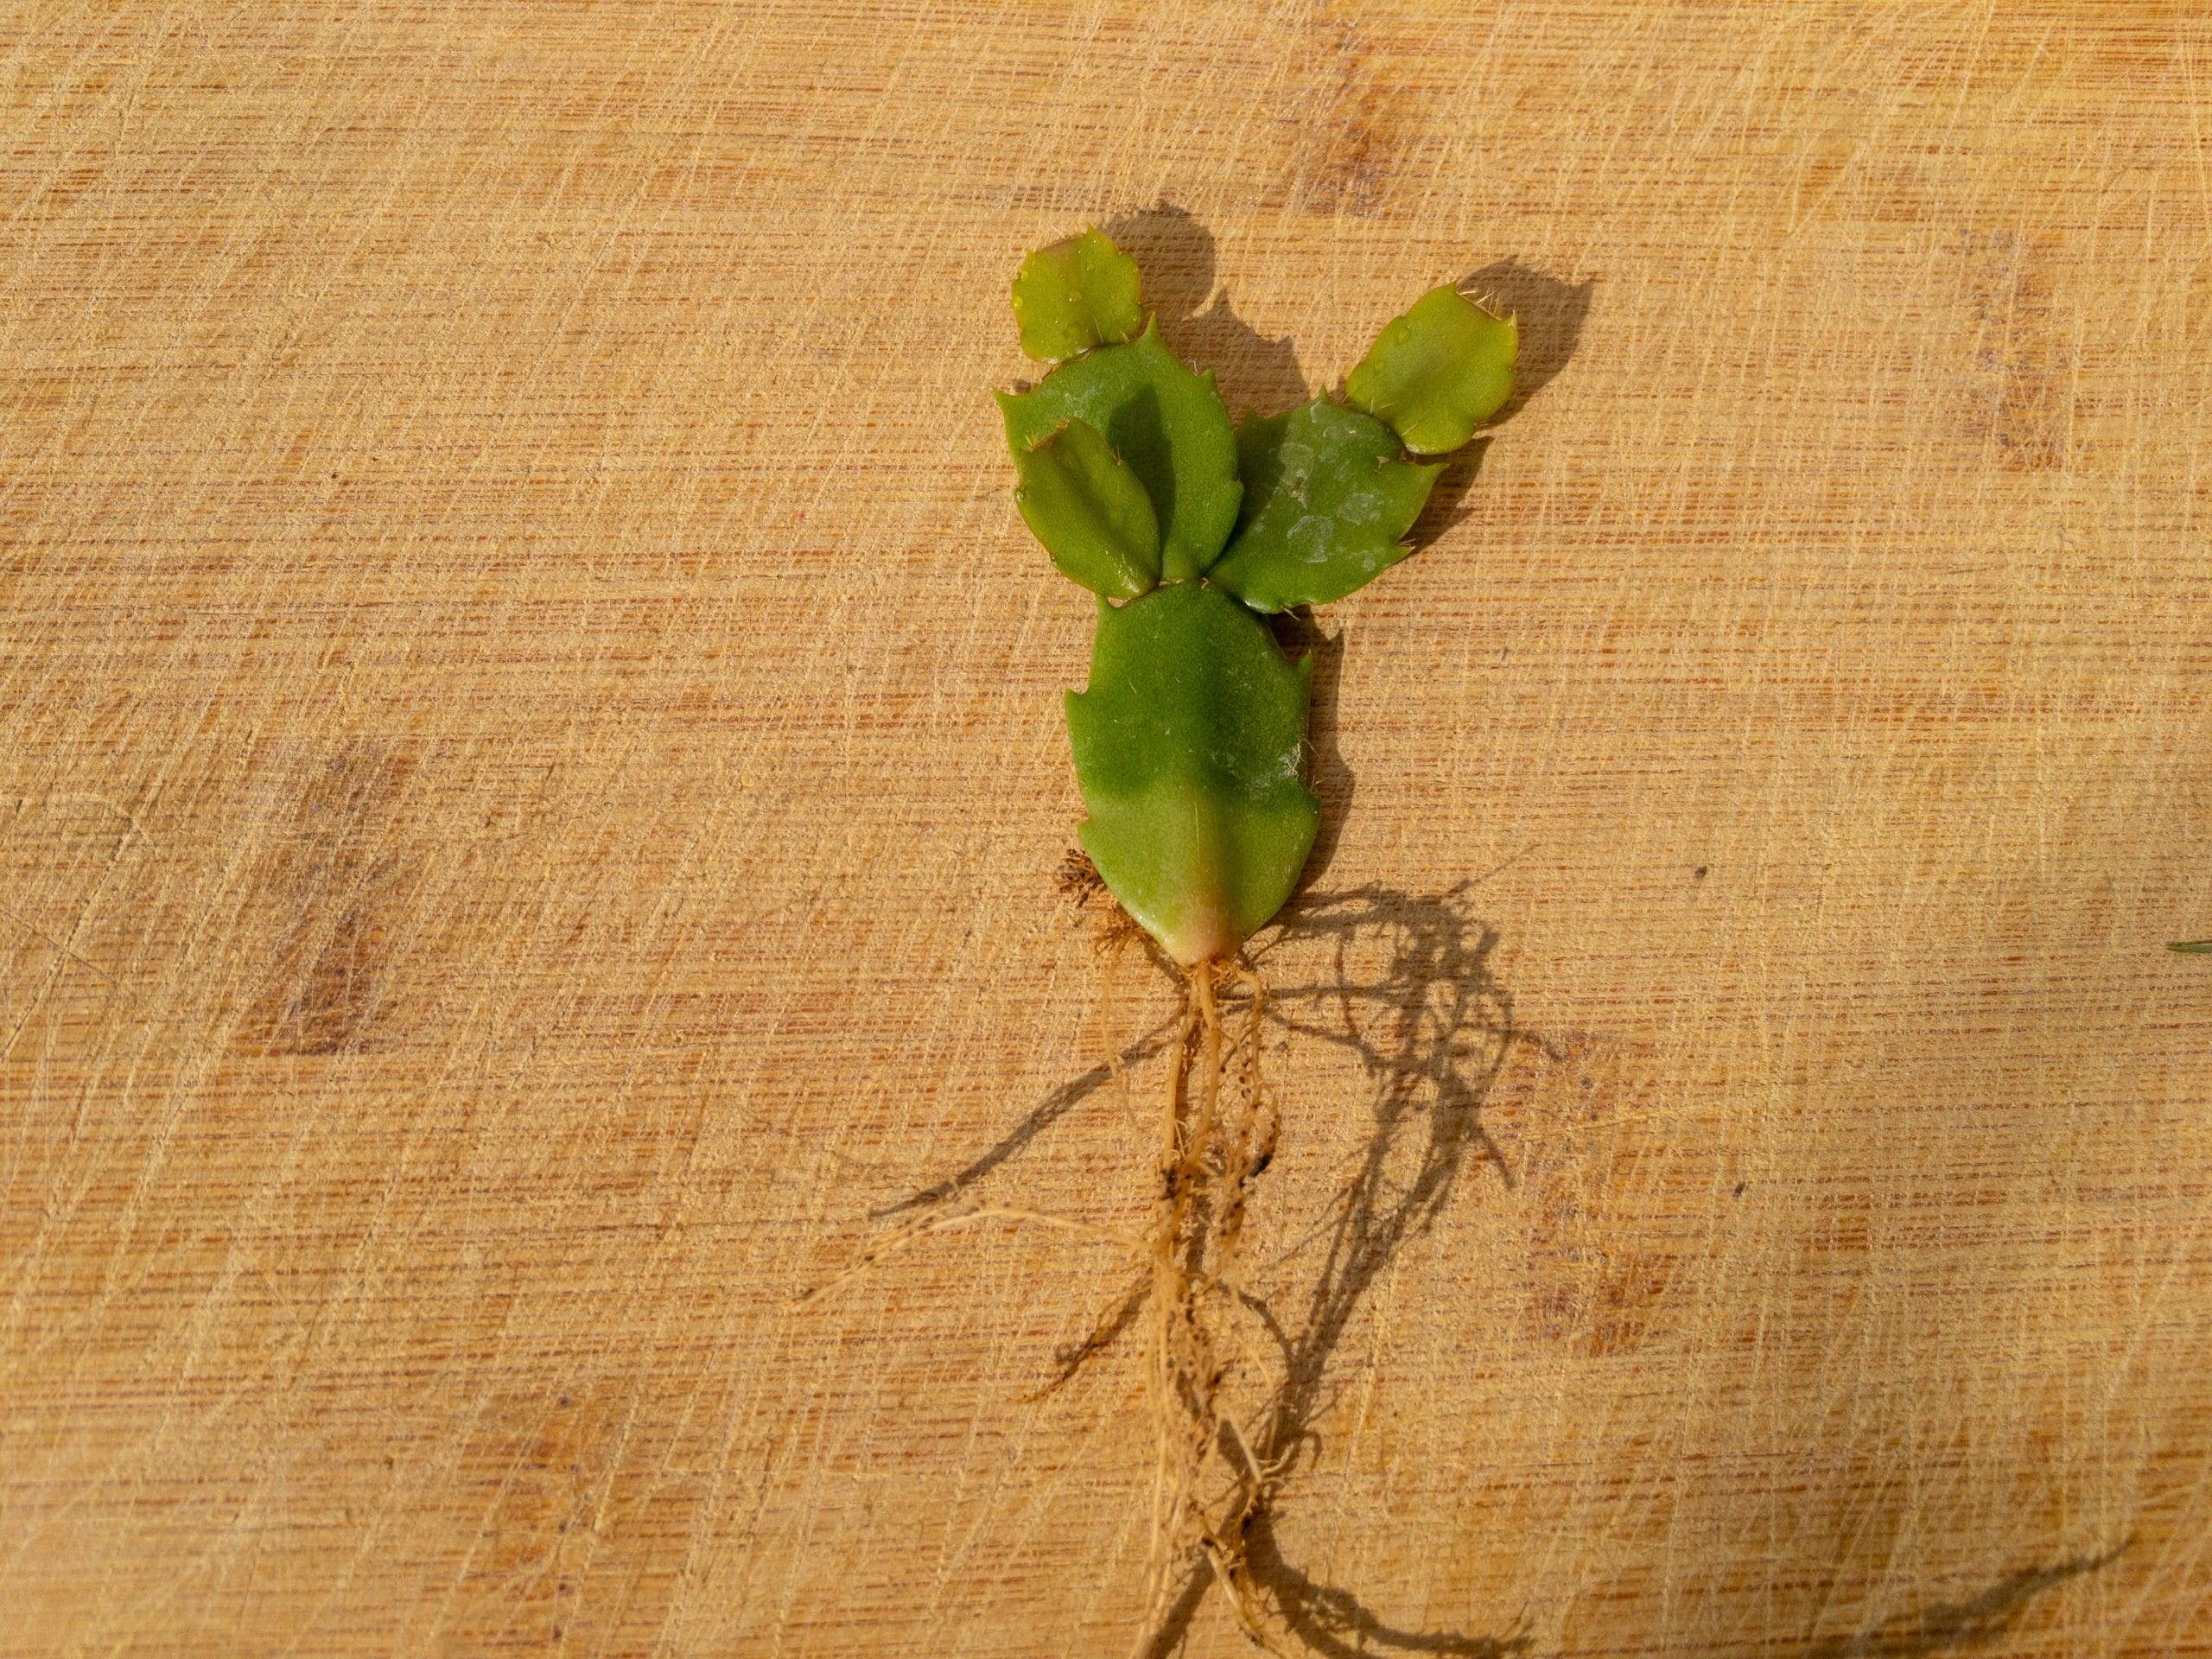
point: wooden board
(532, 782)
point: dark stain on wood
(338, 878)
(1591, 1288)
(1347, 154)
(2021, 406)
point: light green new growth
(1437, 372)
(1088, 509)
(1074, 295)
(1189, 741)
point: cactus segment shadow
(1333, 782)
(1551, 313)
(1256, 372)
(1176, 253)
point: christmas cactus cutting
(1190, 745)
(1189, 741)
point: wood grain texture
(530, 781)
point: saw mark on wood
(60, 852)
(546, 1462)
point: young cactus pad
(1190, 741)
(1166, 422)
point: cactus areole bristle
(1190, 741)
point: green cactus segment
(1089, 511)
(1076, 295)
(1326, 497)
(1167, 423)
(1187, 744)
(1437, 372)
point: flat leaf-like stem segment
(1089, 511)
(1167, 422)
(1437, 372)
(1076, 295)
(1187, 744)
(1326, 497)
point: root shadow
(1963, 1626)
(1409, 991)
(1048, 1111)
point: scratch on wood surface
(63, 850)
(1595, 1282)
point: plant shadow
(1176, 254)
(1431, 1025)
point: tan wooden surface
(531, 783)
